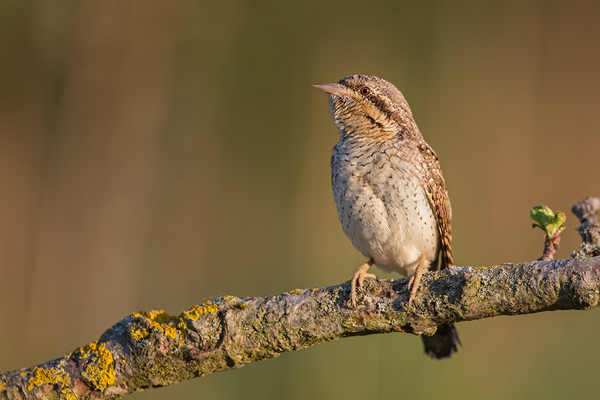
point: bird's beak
(334, 89)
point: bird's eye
(365, 91)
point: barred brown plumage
(389, 190)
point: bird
(389, 191)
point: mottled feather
(389, 189)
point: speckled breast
(382, 206)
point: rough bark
(589, 229)
(151, 349)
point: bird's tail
(443, 343)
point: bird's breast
(382, 206)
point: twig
(589, 230)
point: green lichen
(100, 371)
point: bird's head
(368, 106)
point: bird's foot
(415, 280)
(359, 278)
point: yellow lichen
(44, 376)
(70, 394)
(2, 385)
(161, 317)
(296, 291)
(171, 327)
(152, 314)
(159, 321)
(138, 334)
(100, 372)
(170, 331)
(194, 313)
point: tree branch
(589, 230)
(151, 349)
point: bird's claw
(415, 280)
(359, 279)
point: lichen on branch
(152, 348)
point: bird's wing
(435, 187)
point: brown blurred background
(154, 155)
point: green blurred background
(154, 155)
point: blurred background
(155, 155)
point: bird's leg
(415, 280)
(358, 279)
